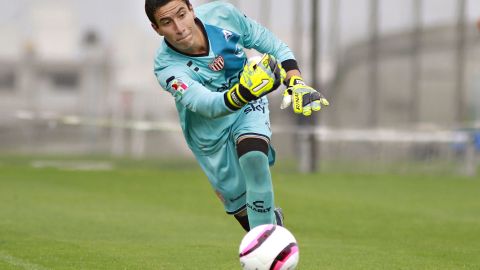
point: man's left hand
(304, 98)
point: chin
(185, 46)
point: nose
(179, 27)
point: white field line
(19, 262)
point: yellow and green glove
(303, 98)
(256, 80)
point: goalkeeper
(221, 99)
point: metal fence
(406, 66)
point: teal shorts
(223, 168)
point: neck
(200, 45)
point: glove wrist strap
(237, 97)
(294, 80)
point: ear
(155, 28)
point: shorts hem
(237, 211)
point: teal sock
(260, 202)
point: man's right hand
(256, 80)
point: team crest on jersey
(227, 34)
(217, 64)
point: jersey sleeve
(256, 36)
(192, 94)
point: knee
(250, 144)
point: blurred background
(402, 77)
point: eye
(166, 22)
(182, 15)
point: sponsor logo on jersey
(254, 108)
(179, 86)
(227, 34)
(217, 64)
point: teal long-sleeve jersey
(198, 82)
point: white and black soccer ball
(269, 247)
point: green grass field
(163, 215)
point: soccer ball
(268, 247)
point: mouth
(183, 38)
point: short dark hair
(152, 5)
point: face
(176, 22)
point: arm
(255, 36)
(256, 80)
(304, 98)
(191, 94)
(291, 73)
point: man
(221, 100)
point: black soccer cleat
(279, 216)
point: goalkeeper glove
(305, 98)
(256, 80)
